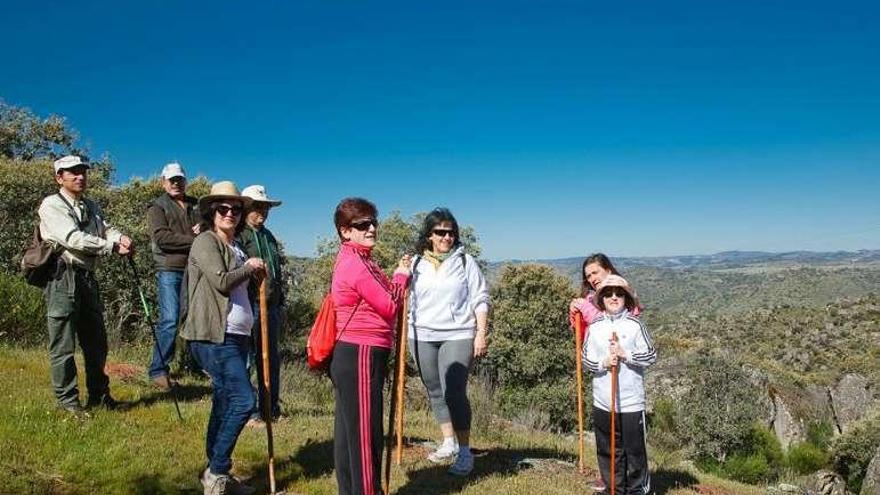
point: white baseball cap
(258, 193)
(172, 170)
(70, 161)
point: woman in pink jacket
(366, 309)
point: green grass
(144, 449)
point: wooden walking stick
(579, 375)
(613, 433)
(396, 407)
(267, 381)
(401, 376)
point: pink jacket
(356, 277)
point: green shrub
(23, 319)
(820, 433)
(747, 468)
(852, 452)
(805, 458)
(664, 432)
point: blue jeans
(274, 359)
(166, 328)
(233, 397)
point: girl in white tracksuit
(619, 339)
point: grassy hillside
(144, 449)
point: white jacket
(443, 302)
(633, 337)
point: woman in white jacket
(449, 305)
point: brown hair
(207, 213)
(602, 261)
(350, 209)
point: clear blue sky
(554, 128)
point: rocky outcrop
(871, 483)
(786, 426)
(825, 483)
(850, 399)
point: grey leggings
(444, 367)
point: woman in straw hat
(218, 327)
(619, 342)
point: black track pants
(631, 459)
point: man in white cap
(76, 225)
(258, 242)
(173, 222)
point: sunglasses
(225, 210)
(619, 293)
(364, 225)
(443, 232)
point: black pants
(631, 457)
(358, 373)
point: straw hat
(615, 281)
(223, 190)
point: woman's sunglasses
(224, 210)
(443, 232)
(619, 293)
(364, 225)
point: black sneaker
(105, 401)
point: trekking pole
(613, 407)
(146, 308)
(579, 375)
(393, 412)
(401, 376)
(267, 381)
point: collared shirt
(84, 233)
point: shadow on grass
(184, 393)
(665, 480)
(434, 480)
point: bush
(664, 432)
(747, 468)
(805, 458)
(531, 356)
(23, 319)
(852, 452)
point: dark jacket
(211, 275)
(171, 234)
(262, 244)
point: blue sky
(554, 128)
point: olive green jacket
(211, 276)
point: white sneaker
(445, 452)
(463, 465)
(223, 484)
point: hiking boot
(599, 486)
(443, 453)
(255, 422)
(223, 484)
(163, 383)
(463, 465)
(105, 401)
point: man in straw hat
(173, 223)
(76, 225)
(259, 242)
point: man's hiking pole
(395, 391)
(267, 380)
(146, 308)
(613, 406)
(579, 374)
(401, 376)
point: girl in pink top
(366, 309)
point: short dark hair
(435, 217)
(601, 260)
(628, 300)
(207, 222)
(350, 209)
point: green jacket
(262, 244)
(211, 276)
